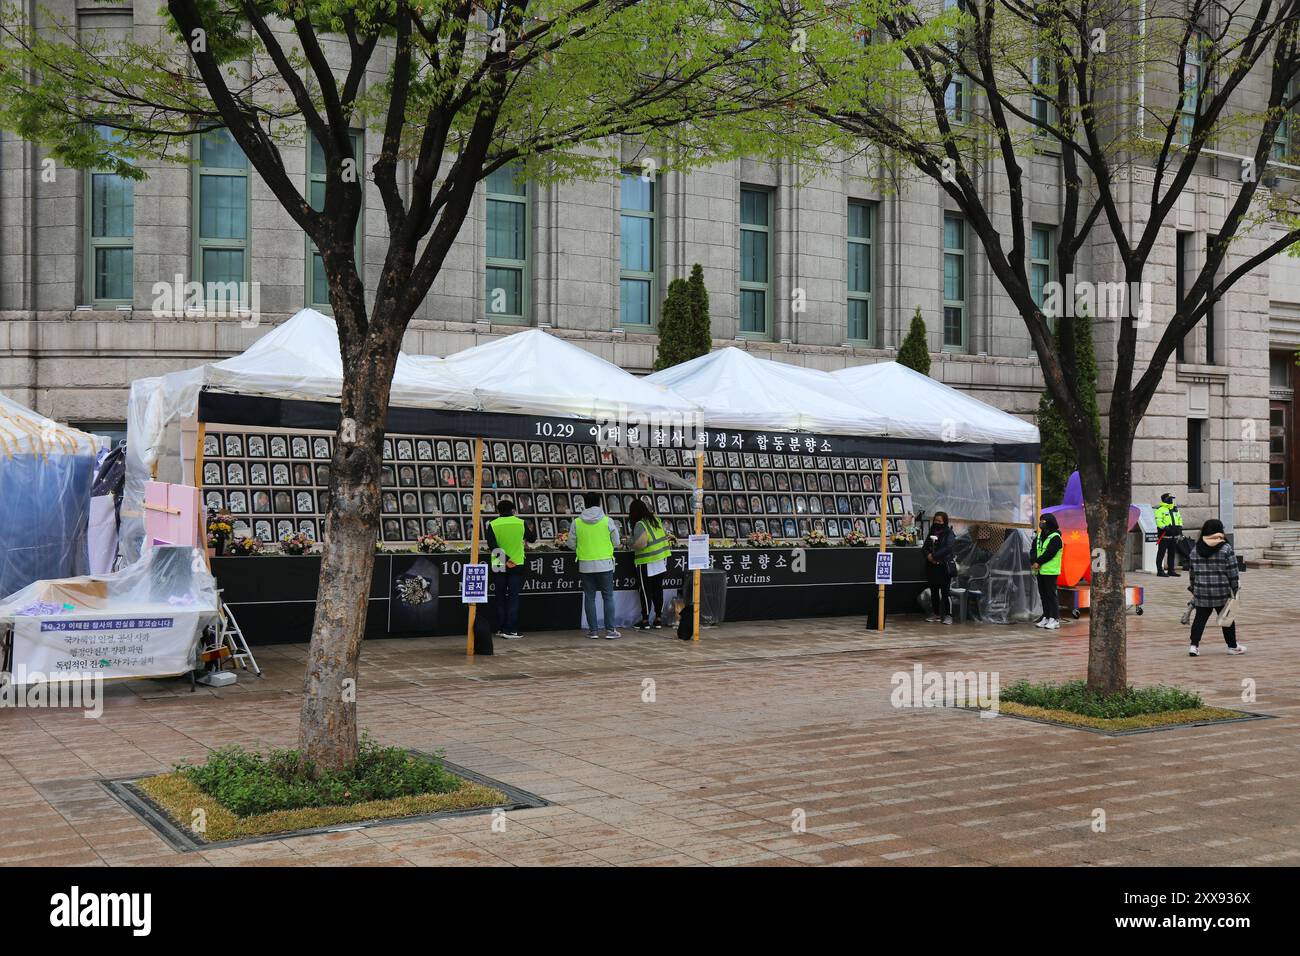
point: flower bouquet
(760, 539)
(299, 543)
(904, 538)
(219, 529)
(430, 543)
(248, 546)
(816, 538)
(856, 539)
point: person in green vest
(1169, 527)
(594, 537)
(651, 547)
(506, 537)
(1045, 561)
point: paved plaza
(751, 729)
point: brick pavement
(748, 727)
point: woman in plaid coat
(1214, 583)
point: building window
(954, 282)
(755, 261)
(637, 266)
(1281, 151)
(222, 250)
(1040, 266)
(1192, 80)
(956, 94)
(1195, 451)
(1041, 105)
(507, 245)
(110, 231)
(859, 272)
(318, 288)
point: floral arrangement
(760, 539)
(248, 546)
(430, 543)
(562, 539)
(856, 539)
(816, 538)
(220, 526)
(298, 543)
(904, 537)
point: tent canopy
(536, 373)
(737, 390)
(24, 432)
(916, 406)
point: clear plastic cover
(1012, 592)
(46, 470)
(973, 491)
(145, 620)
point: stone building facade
(794, 241)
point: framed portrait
(872, 507)
(714, 527)
(575, 478)
(262, 529)
(320, 447)
(465, 476)
(895, 504)
(463, 452)
(302, 475)
(805, 526)
(392, 529)
(279, 474)
(679, 504)
(661, 505)
(742, 505)
(744, 527)
(405, 450)
(234, 446)
(428, 476)
(410, 502)
(553, 455)
(815, 504)
(424, 450)
(895, 484)
(443, 449)
(800, 505)
(298, 447)
(238, 502)
(760, 524)
(279, 447)
(785, 505)
(541, 478)
(536, 453)
(855, 504)
(737, 481)
(304, 503)
(257, 474)
(562, 505)
(750, 460)
(769, 505)
(789, 529)
(433, 526)
(627, 480)
(522, 478)
(261, 502)
(751, 481)
(613, 505)
(211, 473)
(406, 476)
(767, 482)
(387, 476)
(558, 479)
(839, 482)
(518, 453)
(212, 446)
(449, 503)
(733, 459)
(711, 504)
(609, 478)
(411, 529)
(572, 455)
(429, 502)
(796, 481)
(240, 529)
(854, 483)
(543, 503)
(282, 502)
(873, 527)
(308, 528)
(725, 505)
(453, 528)
(718, 459)
(824, 482)
(729, 527)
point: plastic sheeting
(46, 470)
(162, 602)
(1012, 592)
(997, 492)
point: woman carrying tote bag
(1214, 586)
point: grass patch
(1168, 718)
(1073, 697)
(236, 794)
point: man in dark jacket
(1214, 583)
(938, 551)
(1045, 562)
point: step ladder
(230, 642)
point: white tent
(536, 373)
(737, 390)
(918, 407)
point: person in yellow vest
(1169, 527)
(651, 548)
(506, 537)
(594, 537)
(1045, 561)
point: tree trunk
(1107, 634)
(327, 730)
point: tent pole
(699, 529)
(473, 540)
(884, 533)
(198, 483)
(1038, 494)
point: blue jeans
(509, 584)
(602, 581)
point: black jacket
(1053, 545)
(940, 543)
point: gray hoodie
(591, 516)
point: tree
(1130, 100)
(1057, 451)
(915, 350)
(463, 90)
(684, 329)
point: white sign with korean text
(474, 584)
(884, 568)
(108, 645)
(697, 552)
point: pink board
(161, 525)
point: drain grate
(123, 790)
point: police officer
(1169, 527)
(506, 535)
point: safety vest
(593, 541)
(1167, 515)
(509, 532)
(657, 547)
(1040, 545)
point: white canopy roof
(917, 406)
(737, 390)
(24, 432)
(534, 372)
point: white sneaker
(947, 619)
(932, 619)
(1041, 622)
(1239, 649)
(512, 636)
(1193, 651)
(612, 635)
(1053, 625)
(593, 635)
